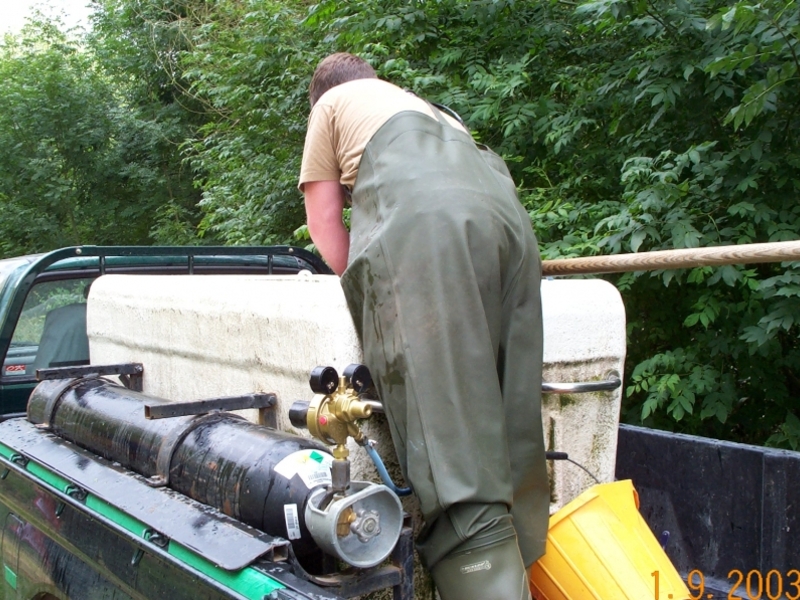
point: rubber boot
(492, 572)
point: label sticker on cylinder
(292, 522)
(312, 466)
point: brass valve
(332, 413)
(332, 417)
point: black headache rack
(187, 259)
(89, 261)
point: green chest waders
(443, 284)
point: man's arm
(324, 206)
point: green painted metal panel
(247, 582)
(11, 577)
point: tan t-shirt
(344, 119)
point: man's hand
(324, 206)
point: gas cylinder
(258, 475)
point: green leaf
(691, 320)
(637, 238)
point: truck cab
(43, 299)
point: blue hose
(387, 481)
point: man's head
(337, 69)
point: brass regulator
(331, 415)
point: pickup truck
(78, 525)
(730, 509)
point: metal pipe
(377, 406)
(675, 259)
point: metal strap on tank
(264, 402)
(130, 374)
(174, 439)
(54, 399)
(610, 383)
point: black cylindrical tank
(258, 475)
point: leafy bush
(629, 125)
(78, 163)
(632, 126)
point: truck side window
(51, 330)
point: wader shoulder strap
(449, 111)
(437, 109)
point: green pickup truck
(80, 523)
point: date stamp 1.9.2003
(743, 585)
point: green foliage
(635, 125)
(255, 92)
(139, 46)
(723, 175)
(78, 165)
(788, 434)
(236, 72)
(142, 42)
(629, 126)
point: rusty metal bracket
(130, 374)
(204, 411)
(264, 402)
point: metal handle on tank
(611, 382)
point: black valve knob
(298, 413)
(324, 380)
(358, 377)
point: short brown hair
(337, 69)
